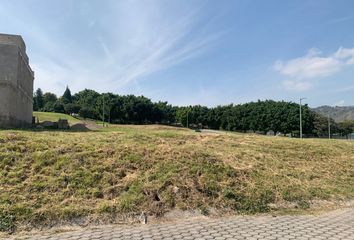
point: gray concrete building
(16, 83)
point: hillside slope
(51, 177)
(339, 114)
(53, 117)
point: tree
(49, 100)
(71, 108)
(49, 97)
(49, 107)
(182, 116)
(104, 106)
(261, 116)
(320, 125)
(87, 112)
(35, 107)
(38, 99)
(87, 98)
(164, 112)
(67, 98)
(59, 107)
(346, 127)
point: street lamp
(301, 117)
(103, 111)
(329, 126)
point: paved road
(334, 225)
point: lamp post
(329, 127)
(301, 117)
(103, 111)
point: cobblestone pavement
(334, 225)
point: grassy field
(48, 116)
(48, 177)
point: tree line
(261, 116)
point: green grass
(53, 176)
(49, 116)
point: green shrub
(7, 222)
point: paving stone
(333, 225)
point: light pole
(329, 127)
(103, 112)
(301, 117)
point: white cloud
(340, 103)
(346, 55)
(296, 85)
(304, 71)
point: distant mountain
(339, 114)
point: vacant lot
(51, 177)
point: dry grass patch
(48, 177)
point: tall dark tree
(59, 107)
(87, 98)
(71, 108)
(67, 98)
(104, 106)
(49, 97)
(38, 100)
(346, 127)
(87, 112)
(35, 107)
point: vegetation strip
(261, 116)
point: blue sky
(191, 52)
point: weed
(7, 222)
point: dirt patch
(79, 127)
(92, 125)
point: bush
(87, 112)
(58, 107)
(72, 108)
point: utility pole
(187, 118)
(103, 112)
(301, 117)
(109, 121)
(329, 127)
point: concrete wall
(14, 40)
(16, 83)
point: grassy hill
(339, 114)
(52, 177)
(49, 116)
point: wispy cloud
(153, 42)
(303, 71)
(341, 19)
(344, 89)
(113, 44)
(296, 85)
